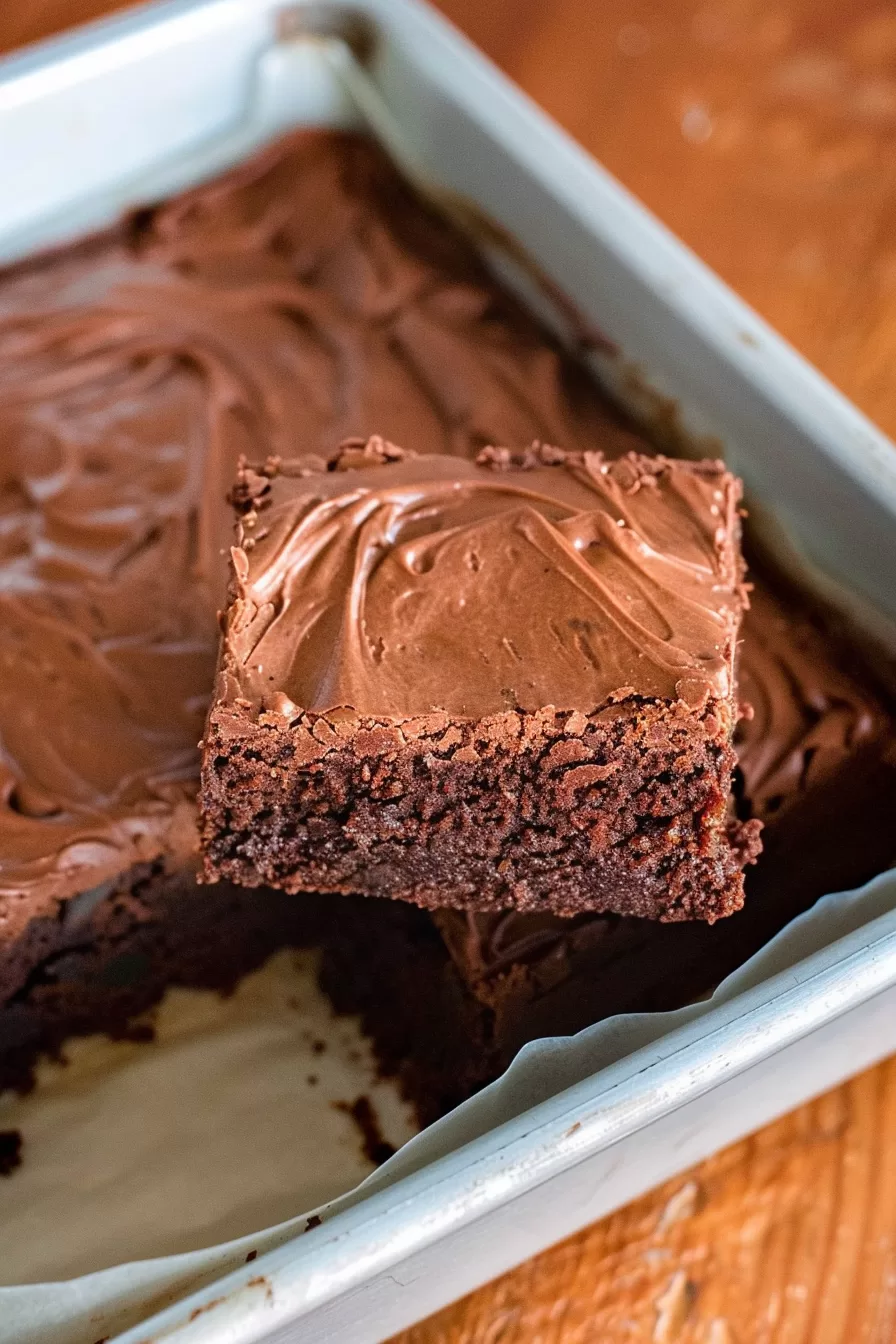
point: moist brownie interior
(303, 299)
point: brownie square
(498, 684)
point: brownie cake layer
(305, 297)
(507, 683)
(818, 767)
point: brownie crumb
(10, 1151)
(251, 1256)
(312, 1222)
(355, 453)
(538, 454)
(376, 1148)
(318, 1047)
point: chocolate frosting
(306, 297)
(428, 583)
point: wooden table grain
(764, 133)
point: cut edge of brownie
(389, 967)
(567, 812)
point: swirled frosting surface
(425, 583)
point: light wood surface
(764, 133)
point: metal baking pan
(125, 111)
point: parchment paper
(229, 1135)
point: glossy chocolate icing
(429, 584)
(305, 297)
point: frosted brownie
(817, 765)
(489, 685)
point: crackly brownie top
(398, 585)
(306, 296)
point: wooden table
(764, 133)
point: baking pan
(125, 111)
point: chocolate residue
(376, 1148)
(10, 1151)
(206, 1306)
